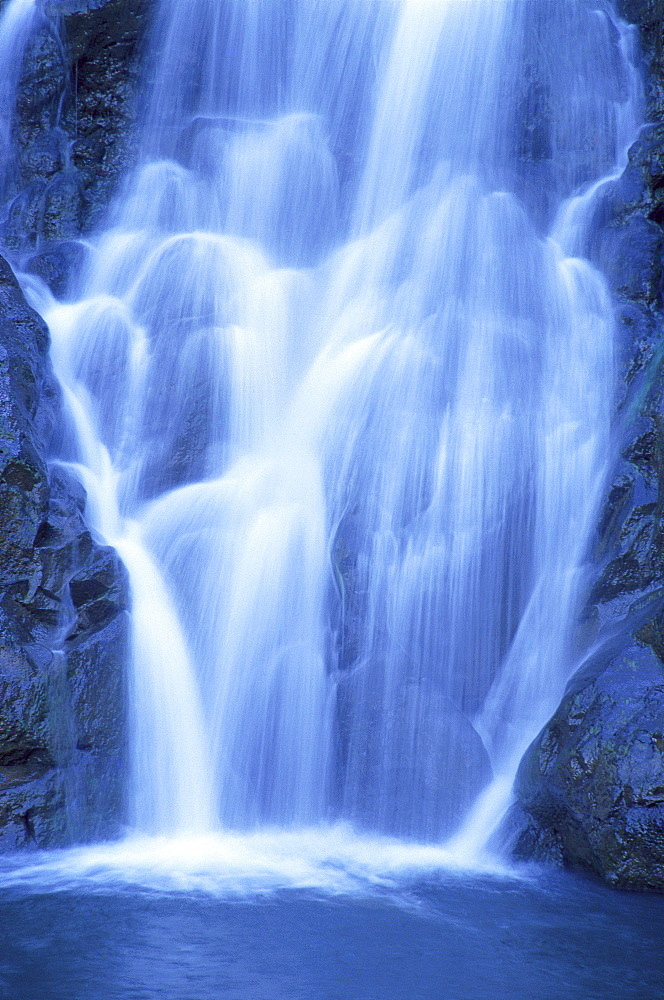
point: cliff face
(590, 790)
(73, 129)
(63, 597)
(63, 624)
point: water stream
(16, 23)
(340, 387)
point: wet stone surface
(590, 790)
(63, 620)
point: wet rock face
(590, 790)
(649, 16)
(63, 620)
(73, 129)
(63, 597)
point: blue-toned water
(447, 939)
(339, 384)
(16, 23)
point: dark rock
(626, 254)
(591, 788)
(23, 225)
(62, 207)
(27, 404)
(649, 16)
(46, 154)
(103, 42)
(95, 669)
(43, 80)
(73, 126)
(98, 593)
(59, 264)
(63, 621)
(63, 624)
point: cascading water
(16, 22)
(340, 387)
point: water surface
(443, 938)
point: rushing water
(339, 381)
(338, 384)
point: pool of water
(73, 927)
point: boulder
(591, 789)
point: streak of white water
(16, 23)
(342, 400)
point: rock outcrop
(73, 129)
(590, 790)
(63, 620)
(63, 596)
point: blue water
(340, 380)
(557, 937)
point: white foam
(332, 860)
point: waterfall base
(423, 937)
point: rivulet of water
(341, 384)
(17, 18)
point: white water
(16, 22)
(342, 403)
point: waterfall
(340, 385)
